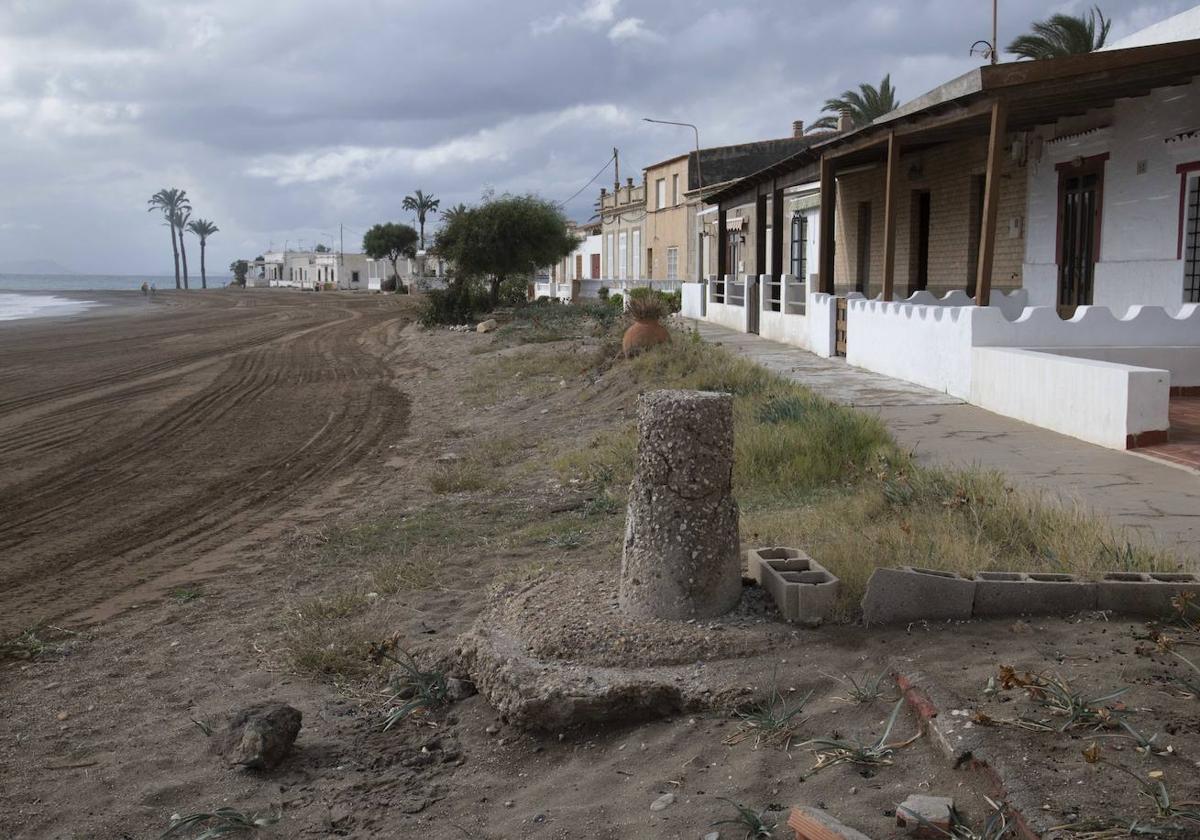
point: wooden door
(595, 266)
(578, 266)
(839, 328)
(1080, 190)
(921, 211)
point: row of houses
(314, 270)
(1025, 237)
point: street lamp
(699, 192)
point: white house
(1025, 237)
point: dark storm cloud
(284, 118)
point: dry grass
(831, 480)
(463, 476)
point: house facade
(577, 274)
(622, 225)
(1025, 237)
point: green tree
(864, 105)
(1061, 35)
(169, 201)
(180, 221)
(203, 229)
(390, 241)
(321, 248)
(422, 205)
(238, 268)
(511, 236)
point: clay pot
(642, 335)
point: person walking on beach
(153, 289)
(145, 289)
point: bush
(602, 293)
(389, 285)
(456, 304)
(671, 302)
(513, 292)
(616, 302)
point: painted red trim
(1184, 169)
(1156, 437)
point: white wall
(692, 303)
(928, 345)
(1100, 402)
(1140, 212)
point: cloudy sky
(285, 118)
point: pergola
(989, 101)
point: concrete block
(911, 594)
(815, 824)
(1137, 593)
(1018, 593)
(925, 816)
(803, 589)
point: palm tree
(864, 105)
(180, 220)
(203, 229)
(1061, 35)
(169, 202)
(421, 204)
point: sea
(32, 295)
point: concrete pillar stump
(681, 555)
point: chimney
(603, 192)
(844, 123)
(797, 128)
(629, 183)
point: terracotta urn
(644, 334)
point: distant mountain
(33, 267)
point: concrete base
(559, 652)
(909, 594)
(803, 589)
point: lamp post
(699, 193)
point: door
(649, 263)
(753, 303)
(1079, 196)
(920, 250)
(839, 327)
(578, 266)
(595, 266)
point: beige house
(622, 217)
(669, 221)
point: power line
(590, 182)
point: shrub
(456, 304)
(646, 307)
(671, 302)
(616, 302)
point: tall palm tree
(203, 229)
(421, 204)
(180, 221)
(1061, 35)
(170, 201)
(864, 105)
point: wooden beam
(828, 202)
(777, 233)
(760, 235)
(991, 200)
(722, 245)
(890, 200)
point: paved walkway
(1149, 496)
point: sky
(285, 119)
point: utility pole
(341, 243)
(616, 174)
(995, 33)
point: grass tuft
(220, 822)
(753, 822)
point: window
(608, 253)
(637, 255)
(622, 255)
(1191, 243)
(799, 267)
(660, 187)
(673, 262)
(862, 280)
(675, 189)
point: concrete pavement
(1153, 498)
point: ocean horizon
(96, 282)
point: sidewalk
(1149, 496)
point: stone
(459, 689)
(925, 816)
(803, 589)
(662, 802)
(681, 557)
(486, 326)
(1018, 593)
(907, 594)
(1136, 593)
(713, 835)
(259, 737)
(815, 824)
